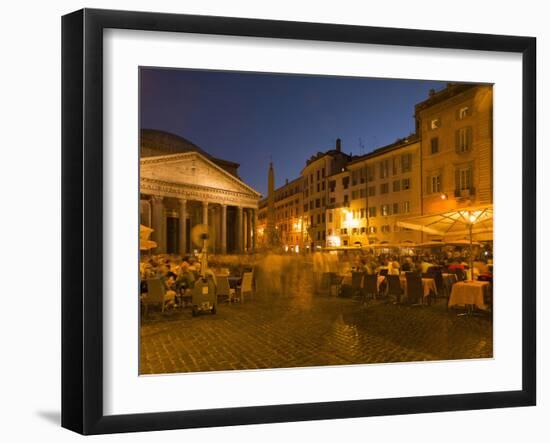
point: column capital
(182, 201)
(157, 198)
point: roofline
(385, 149)
(185, 140)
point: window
(385, 210)
(370, 173)
(354, 195)
(363, 212)
(333, 199)
(385, 228)
(346, 199)
(331, 185)
(354, 176)
(323, 185)
(318, 174)
(463, 139)
(435, 123)
(345, 182)
(318, 218)
(464, 181)
(318, 235)
(317, 203)
(384, 168)
(354, 231)
(396, 186)
(330, 217)
(395, 165)
(318, 187)
(463, 112)
(362, 193)
(305, 207)
(406, 207)
(324, 235)
(311, 178)
(435, 145)
(362, 175)
(384, 188)
(372, 191)
(406, 162)
(372, 211)
(396, 208)
(406, 184)
(363, 230)
(323, 219)
(323, 202)
(435, 184)
(323, 172)
(372, 229)
(344, 231)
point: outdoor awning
(454, 224)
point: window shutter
(469, 137)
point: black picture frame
(82, 218)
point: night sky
(250, 117)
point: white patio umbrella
(144, 243)
(452, 224)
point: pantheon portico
(182, 186)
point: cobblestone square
(277, 331)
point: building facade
(345, 201)
(456, 128)
(181, 186)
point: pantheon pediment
(192, 170)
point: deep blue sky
(248, 117)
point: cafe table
(469, 293)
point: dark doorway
(172, 235)
(231, 228)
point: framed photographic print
(269, 221)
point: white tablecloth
(469, 293)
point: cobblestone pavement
(276, 331)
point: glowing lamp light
(334, 240)
(443, 196)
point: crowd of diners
(179, 273)
(422, 264)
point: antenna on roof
(361, 146)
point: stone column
(239, 229)
(182, 247)
(205, 213)
(158, 223)
(224, 229)
(248, 232)
(253, 226)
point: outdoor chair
(440, 286)
(223, 290)
(415, 292)
(156, 294)
(245, 286)
(460, 274)
(394, 287)
(370, 286)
